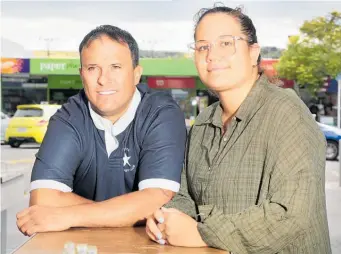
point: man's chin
(108, 112)
(105, 110)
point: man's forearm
(125, 210)
(46, 197)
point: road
(22, 155)
(22, 159)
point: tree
(314, 54)
(271, 52)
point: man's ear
(137, 74)
(81, 73)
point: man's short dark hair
(115, 34)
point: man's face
(108, 75)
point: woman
(254, 175)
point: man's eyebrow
(91, 64)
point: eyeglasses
(226, 45)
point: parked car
(29, 124)
(333, 135)
(4, 124)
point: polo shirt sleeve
(58, 157)
(163, 149)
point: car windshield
(28, 112)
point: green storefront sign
(64, 73)
(54, 66)
(64, 82)
(199, 85)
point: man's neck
(116, 117)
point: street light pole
(48, 43)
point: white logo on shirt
(126, 162)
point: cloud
(275, 31)
(155, 25)
(66, 34)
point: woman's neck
(231, 99)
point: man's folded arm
(56, 162)
(56, 198)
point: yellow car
(29, 124)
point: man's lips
(107, 92)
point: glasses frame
(211, 44)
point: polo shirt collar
(122, 123)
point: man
(115, 137)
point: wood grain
(107, 240)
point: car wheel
(15, 144)
(332, 150)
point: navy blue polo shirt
(83, 153)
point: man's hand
(122, 211)
(37, 219)
(175, 228)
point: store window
(60, 96)
(17, 96)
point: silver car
(4, 124)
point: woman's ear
(254, 53)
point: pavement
(21, 160)
(333, 200)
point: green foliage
(315, 53)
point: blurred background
(300, 44)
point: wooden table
(116, 240)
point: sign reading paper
(15, 65)
(55, 66)
(64, 82)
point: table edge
(5, 179)
(21, 245)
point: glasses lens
(226, 45)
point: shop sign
(268, 66)
(54, 66)
(15, 65)
(171, 82)
(64, 82)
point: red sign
(287, 83)
(170, 82)
(268, 65)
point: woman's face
(223, 63)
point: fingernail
(159, 236)
(161, 220)
(162, 242)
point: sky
(156, 25)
